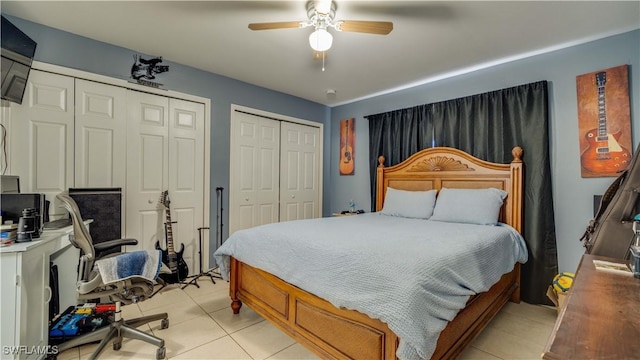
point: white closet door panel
(244, 216)
(254, 192)
(100, 135)
(149, 226)
(300, 178)
(49, 146)
(246, 165)
(147, 167)
(186, 176)
(153, 164)
(42, 137)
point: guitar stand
(212, 275)
(194, 280)
(162, 286)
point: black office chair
(91, 286)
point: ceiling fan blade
(369, 27)
(276, 25)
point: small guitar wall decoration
(605, 154)
(143, 70)
(346, 147)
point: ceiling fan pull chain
(323, 61)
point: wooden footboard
(334, 333)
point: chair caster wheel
(117, 346)
(164, 324)
(161, 353)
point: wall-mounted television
(17, 53)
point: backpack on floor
(610, 232)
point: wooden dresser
(600, 318)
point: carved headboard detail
(439, 163)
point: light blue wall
(72, 51)
(573, 195)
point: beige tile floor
(203, 327)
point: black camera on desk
(29, 211)
(28, 225)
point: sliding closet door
(299, 172)
(275, 170)
(254, 187)
(147, 167)
(186, 176)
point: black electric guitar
(175, 262)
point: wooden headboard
(439, 167)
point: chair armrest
(105, 245)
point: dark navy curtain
(487, 126)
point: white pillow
(470, 206)
(409, 204)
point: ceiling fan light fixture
(323, 6)
(320, 40)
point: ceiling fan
(321, 14)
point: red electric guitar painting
(604, 154)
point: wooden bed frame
(335, 333)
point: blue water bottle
(636, 230)
(634, 249)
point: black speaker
(596, 204)
(104, 206)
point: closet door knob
(246, 199)
(150, 201)
(293, 196)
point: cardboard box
(557, 298)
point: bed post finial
(380, 161)
(517, 154)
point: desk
(600, 317)
(26, 293)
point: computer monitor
(9, 184)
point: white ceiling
(430, 39)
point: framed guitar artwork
(604, 122)
(347, 145)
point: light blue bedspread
(415, 275)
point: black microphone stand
(209, 272)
